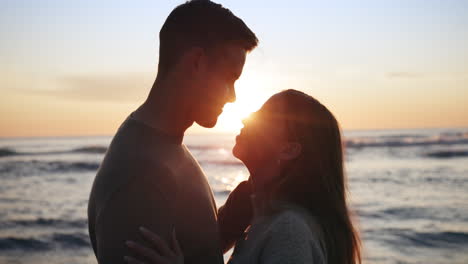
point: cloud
(125, 88)
(449, 75)
(404, 75)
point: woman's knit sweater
(290, 235)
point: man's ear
(291, 150)
(194, 59)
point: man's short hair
(200, 23)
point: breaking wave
(5, 152)
(446, 154)
(44, 243)
(35, 167)
(408, 140)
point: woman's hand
(160, 253)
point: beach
(408, 189)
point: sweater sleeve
(235, 215)
(291, 240)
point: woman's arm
(235, 215)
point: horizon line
(229, 133)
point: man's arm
(235, 215)
(139, 203)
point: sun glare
(248, 101)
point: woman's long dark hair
(316, 179)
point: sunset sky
(80, 67)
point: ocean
(408, 189)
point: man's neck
(164, 109)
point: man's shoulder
(147, 174)
(138, 154)
(123, 173)
(137, 141)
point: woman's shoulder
(296, 221)
(294, 233)
(287, 213)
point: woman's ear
(290, 151)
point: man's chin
(207, 123)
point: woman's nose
(247, 120)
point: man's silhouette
(148, 177)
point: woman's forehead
(274, 103)
(273, 108)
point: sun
(247, 101)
